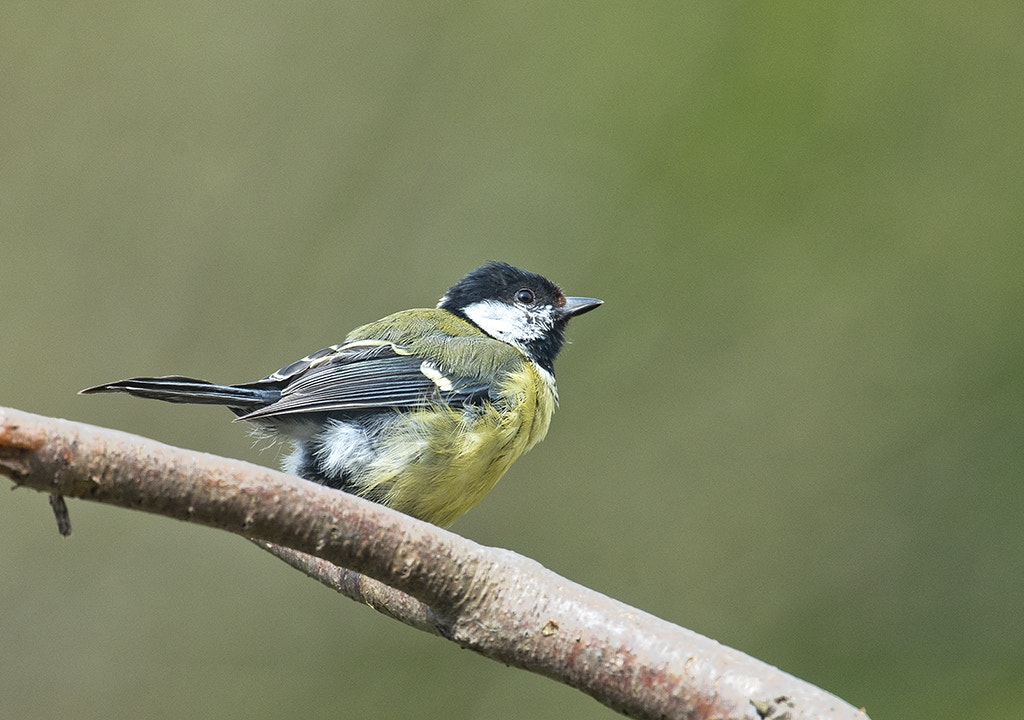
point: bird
(423, 410)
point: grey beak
(579, 305)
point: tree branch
(498, 603)
(361, 588)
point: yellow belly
(447, 460)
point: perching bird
(423, 410)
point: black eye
(524, 296)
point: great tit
(423, 410)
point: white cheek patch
(505, 322)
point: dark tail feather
(178, 389)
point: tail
(177, 389)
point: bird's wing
(365, 375)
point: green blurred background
(795, 426)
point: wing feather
(363, 376)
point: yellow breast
(446, 460)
